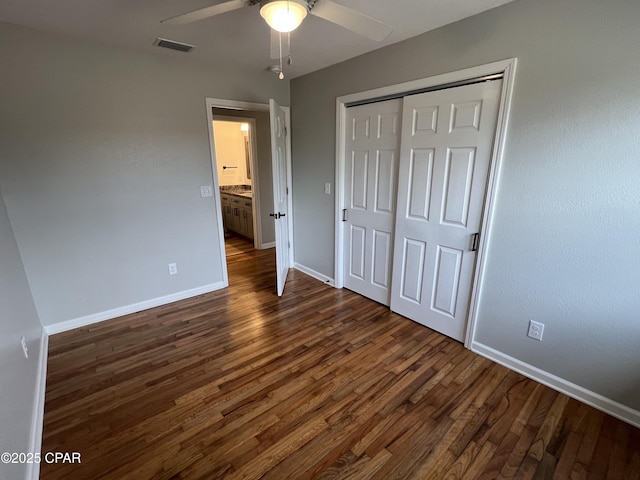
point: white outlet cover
(536, 329)
(206, 191)
(173, 269)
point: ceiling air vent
(173, 45)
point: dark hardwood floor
(320, 383)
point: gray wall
(564, 246)
(103, 151)
(18, 374)
(263, 145)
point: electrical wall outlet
(535, 330)
(23, 342)
(173, 269)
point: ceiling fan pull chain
(281, 74)
(289, 59)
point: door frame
(242, 105)
(505, 67)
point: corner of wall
(314, 274)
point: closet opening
(416, 171)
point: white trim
(442, 79)
(287, 122)
(264, 246)
(341, 119)
(507, 68)
(312, 273)
(256, 206)
(37, 419)
(133, 308)
(611, 407)
(216, 190)
(236, 104)
(495, 168)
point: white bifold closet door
(446, 146)
(371, 168)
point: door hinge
(344, 215)
(287, 190)
(288, 244)
(285, 131)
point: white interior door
(447, 137)
(371, 172)
(280, 204)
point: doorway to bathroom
(235, 155)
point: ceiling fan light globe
(282, 15)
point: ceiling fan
(286, 15)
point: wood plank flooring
(237, 244)
(319, 384)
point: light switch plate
(23, 343)
(327, 188)
(206, 191)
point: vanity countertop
(241, 194)
(243, 191)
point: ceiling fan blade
(351, 20)
(275, 45)
(206, 12)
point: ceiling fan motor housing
(308, 4)
(284, 15)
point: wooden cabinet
(227, 211)
(237, 214)
(247, 218)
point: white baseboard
(37, 417)
(128, 309)
(314, 274)
(613, 408)
(264, 246)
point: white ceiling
(239, 38)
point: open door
(280, 204)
